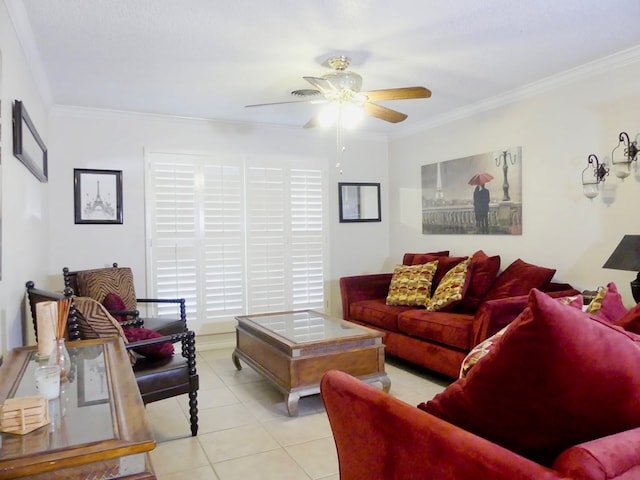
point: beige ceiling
(209, 58)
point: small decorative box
(22, 415)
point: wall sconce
(590, 185)
(622, 167)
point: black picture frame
(28, 146)
(94, 194)
(359, 202)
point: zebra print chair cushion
(102, 281)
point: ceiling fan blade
(398, 93)
(383, 113)
(317, 100)
(321, 84)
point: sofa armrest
(363, 287)
(391, 440)
(493, 315)
(611, 457)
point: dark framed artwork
(480, 194)
(97, 196)
(28, 147)
(359, 202)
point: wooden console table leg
(291, 401)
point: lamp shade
(626, 256)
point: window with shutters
(235, 235)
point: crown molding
(597, 67)
(24, 32)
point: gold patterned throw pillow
(411, 284)
(451, 288)
(596, 304)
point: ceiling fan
(342, 87)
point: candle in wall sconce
(47, 324)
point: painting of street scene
(477, 195)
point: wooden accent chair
(157, 378)
(100, 282)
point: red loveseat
(440, 340)
(389, 439)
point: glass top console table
(98, 424)
(294, 349)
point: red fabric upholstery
(630, 321)
(363, 287)
(420, 258)
(518, 279)
(448, 328)
(157, 350)
(377, 312)
(612, 308)
(556, 378)
(391, 440)
(483, 271)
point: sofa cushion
(607, 304)
(411, 284)
(377, 313)
(451, 288)
(518, 279)
(447, 328)
(483, 270)
(418, 258)
(546, 386)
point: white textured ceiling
(209, 58)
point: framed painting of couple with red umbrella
(476, 195)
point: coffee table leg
(291, 400)
(236, 360)
(386, 384)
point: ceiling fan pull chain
(340, 148)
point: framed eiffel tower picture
(97, 196)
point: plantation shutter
(235, 236)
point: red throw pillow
(557, 377)
(157, 350)
(610, 306)
(518, 279)
(113, 301)
(422, 258)
(483, 271)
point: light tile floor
(245, 432)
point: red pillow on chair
(157, 350)
(113, 301)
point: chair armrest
(179, 301)
(363, 287)
(611, 457)
(392, 440)
(493, 315)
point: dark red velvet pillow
(557, 377)
(113, 301)
(157, 350)
(483, 271)
(630, 321)
(422, 258)
(518, 279)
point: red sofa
(391, 440)
(440, 340)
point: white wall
(557, 130)
(81, 138)
(24, 199)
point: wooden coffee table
(294, 349)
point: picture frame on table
(28, 146)
(97, 196)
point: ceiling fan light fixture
(351, 115)
(342, 80)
